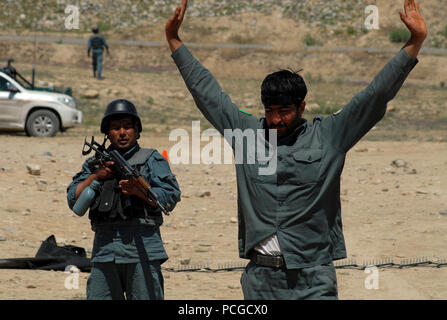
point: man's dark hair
(283, 87)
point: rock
(205, 244)
(91, 94)
(233, 220)
(420, 191)
(2, 237)
(203, 194)
(185, 262)
(5, 169)
(390, 170)
(33, 169)
(443, 212)
(399, 163)
(189, 277)
(41, 181)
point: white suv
(38, 113)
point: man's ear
(301, 108)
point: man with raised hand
(290, 224)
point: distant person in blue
(97, 43)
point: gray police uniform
(97, 43)
(128, 250)
(300, 202)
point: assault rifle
(124, 170)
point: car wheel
(42, 123)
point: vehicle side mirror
(11, 87)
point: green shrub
(444, 32)
(350, 30)
(236, 38)
(308, 40)
(400, 35)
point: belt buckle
(277, 261)
(271, 261)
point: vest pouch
(108, 196)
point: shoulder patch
(243, 111)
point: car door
(11, 105)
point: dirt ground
(389, 212)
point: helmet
(95, 29)
(120, 106)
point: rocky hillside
(309, 22)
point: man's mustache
(278, 126)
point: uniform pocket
(306, 165)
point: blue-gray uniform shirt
(300, 202)
(98, 49)
(124, 242)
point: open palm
(413, 20)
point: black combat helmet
(120, 107)
(95, 29)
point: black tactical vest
(112, 206)
(97, 42)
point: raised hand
(413, 20)
(416, 24)
(173, 25)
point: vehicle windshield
(22, 83)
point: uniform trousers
(270, 283)
(131, 281)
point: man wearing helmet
(127, 250)
(97, 43)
